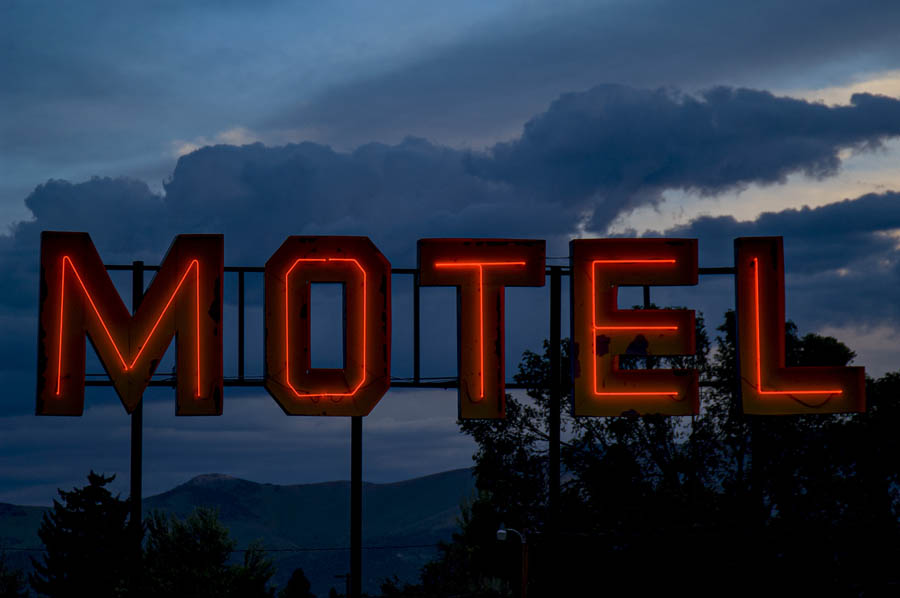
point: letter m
(78, 298)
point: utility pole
(355, 581)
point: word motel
(184, 301)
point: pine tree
(12, 581)
(298, 586)
(190, 558)
(87, 543)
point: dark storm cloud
(484, 85)
(832, 236)
(103, 88)
(599, 153)
(395, 194)
(123, 216)
(603, 151)
(615, 148)
(842, 260)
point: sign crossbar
(167, 379)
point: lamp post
(501, 536)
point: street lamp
(501, 536)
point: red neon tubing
(67, 260)
(480, 266)
(596, 328)
(759, 387)
(635, 327)
(287, 350)
(659, 261)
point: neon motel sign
(184, 301)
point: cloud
(613, 148)
(395, 194)
(480, 88)
(601, 152)
(123, 216)
(94, 88)
(842, 260)
(886, 83)
(232, 136)
(102, 89)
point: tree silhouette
(190, 558)
(12, 581)
(716, 504)
(298, 586)
(87, 544)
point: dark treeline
(720, 504)
(92, 549)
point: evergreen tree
(12, 581)
(190, 558)
(298, 586)
(650, 504)
(87, 544)
(251, 578)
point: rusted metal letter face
(77, 298)
(767, 386)
(366, 376)
(601, 332)
(480, 269)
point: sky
(407, 120)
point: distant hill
(310, 517)
(18, 529)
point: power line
(294, 549)
(335, 548)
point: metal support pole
(646, 297)
(240, 325)
(417, 373)
(555, 384)
(555, 390)
(524, 569)
(137, 416)
(355, 506)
